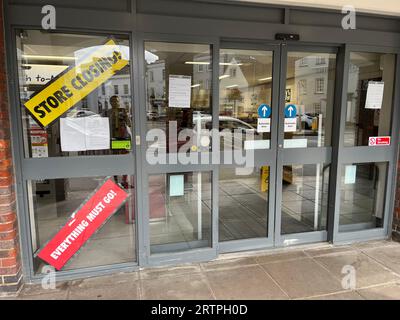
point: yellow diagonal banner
(75, 83)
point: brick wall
(10, 267)
(396, 215)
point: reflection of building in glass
(308, 83)
(155, 86)
(120, 85)
(244, 84)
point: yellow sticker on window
(75, 83)
(121, 144)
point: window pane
(243, 203)
(52, 202)
(310, 86)
(245, 83)
(304, 198)
(180, 211)
(363, 192)
(363, 118)
(176, 66)
(41, 57)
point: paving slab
(222, 264)
(367, 271)
(244, 283)
(350, 295)
(186, 287)
(121, 291)
(154, 273)
(389, 256)
(387, 292)
(280, 256)
(302, 278)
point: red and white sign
(83, 224)
(379, 141)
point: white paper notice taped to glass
(82, 134)
(350, 174)
(263, 125)
(290, 124)
(176, 185)
(375, 95)
(295, 143)
(256, 144)
(179, 91)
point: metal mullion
(280, 140)
(143, 193)
(392, 178)
(335, 182)
(313, 48)
(307, 156)
(373, 48)
(138, 154)
(248, 45)
(341, 79)
(84, 166)
(366, 154)
(18, 148)
(215, 126)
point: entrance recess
(280, 103)
(283, 199)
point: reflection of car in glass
(81, 114)
(228, 126)
(307, 119)
(151, 115)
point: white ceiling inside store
(386, 7)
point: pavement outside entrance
(307, 272)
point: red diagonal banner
(83, 224)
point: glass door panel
(305, 132)
(247, 95)
(178, 111)
(309, 93)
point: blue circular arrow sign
(264, 111)
(290, 111)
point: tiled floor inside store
(307, 272)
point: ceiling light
(224, 76)
(197, 62)
(196, 85)
(40, 57)
(230, 64)
(232, 86)
(265, 79)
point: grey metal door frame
(344, 155)
(302, 155)
(28, 169)
(266, 157)
(92, 21)
(201, 254)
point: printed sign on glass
(378, 141)
(264, 111)
(290, 111)
(75, 83)
(83, 224)
(375, 95)
(263, 125)
(179, 91)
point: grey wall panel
(334, 19)
(210, 10)
(263, 31)
(315, 18)
(68, 18)
(109, 5)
